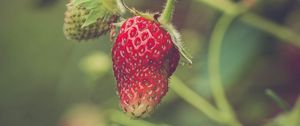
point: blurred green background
(43, 75)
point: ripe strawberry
(144, 57)
(75, 17)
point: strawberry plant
(147, 48)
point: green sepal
(93, 16)
(97, 9)
(176, 38)
(165, 21)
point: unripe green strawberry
(77, 15)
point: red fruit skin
(144, 57)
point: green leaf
(241, 46)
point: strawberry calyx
(164, 19)
(98, 9)
(176, 38)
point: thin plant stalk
(167, 13)
(256, 21)
(214, 69)
(194, 99)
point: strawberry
(144, 57)
(77, 15)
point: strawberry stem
(278, 100)
(167, 13)
(195, 100)
(256, 21)
(214, 69)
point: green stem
(281, 32)
(194, 99)
(214, 68)
(222, 5)
(254, 20)
(167, 13)
(279, 101)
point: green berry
(75, 17)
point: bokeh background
(43, 75)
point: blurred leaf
(241, 45)
(193, 42)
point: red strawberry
(144, 57)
